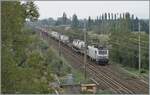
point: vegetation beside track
(125, 49)
(27, 61)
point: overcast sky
(83, 9)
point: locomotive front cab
(102, 56)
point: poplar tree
(75, 21)
(64, 18)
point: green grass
(136, 72)
(132, 71)
(77, 75)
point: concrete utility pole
(59, 45)
(49, 39)
(139, 48)
(85, 51)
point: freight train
(96, 53)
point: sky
(83, 9)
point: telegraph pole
(139, 48)
(85, 51)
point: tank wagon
(55, 35)
(78, 45)
(64, 39)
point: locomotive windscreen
(102, 51)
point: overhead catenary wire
(129, 46)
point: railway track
(102, 79)
(103, 76)
(136, 86)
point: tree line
(106, 22)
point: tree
(89, 23)
(120, 17)
(35, 60)
(125, 50)
(97, 21)
(100, 17)
(31, 11)
(136, 24)
(127, 22)
(14, 40)
(115, 17)
(123, 15)
(144, 26)
(64, 18)
(105, 16)
(112, 16)
(132, 22)
(109, 16)
(75, 21)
